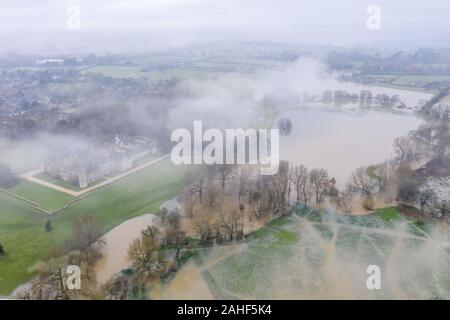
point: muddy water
(117, 242)
(188, 284)
(341, 141)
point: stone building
(84, 168)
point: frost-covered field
(323, 256)
(440, 186)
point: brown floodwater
(338, 141)
(342, 141)
(117, 242)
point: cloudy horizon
(140, 26)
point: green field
(119, 71)
(402, 87)
(404, 80)
(135, 72)
(200, 69)
(312, 255)
(47, 198)
(22, 227)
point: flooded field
(326, 256)
(319, 256)
(342, 141)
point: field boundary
(35, 205)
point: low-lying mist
(226, 101)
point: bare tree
(300, 181)
(406, 150)
(385, 173)
(189, 203)
(241, 182)
(426, 198)
(203, 224)
(280, 183)
(362, 182)
(224, 171)
(198, 178)
(319, 181)
(443, 208)
(174, 235)
(231, 221)
(343, 201)
(86, 237)
(146, 256)
(211, 194)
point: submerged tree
(406, 150)
(300, 181)
(362, 182)
(147, 257)
(241, 182)
(231, 222)
(319, 182)
(426, 198)
(86, 237)
(175, 237)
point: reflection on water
(117, 242)
(340, 141)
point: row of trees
(221, 199)
(365, 96)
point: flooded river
(341, 141)
(117, 242)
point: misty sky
(28, 26)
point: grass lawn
(22, 227)
(118, 71)
(189, 72)
(45, 176)
(59, 182)
(401, 87)
(48, 199)
(404, 80)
